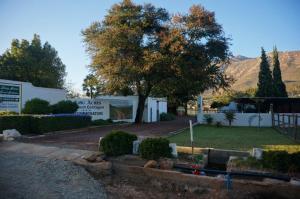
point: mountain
(245, 70)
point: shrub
(230, 116)
(218, 124)
(101, 122)
(167, 116)
(281, 161)
(37, 106)
(208, 119)
(65, 106)
(154, 148)
(8, 113)
(39, 125)
(117, 143)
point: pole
(192, 136)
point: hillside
(245, 70)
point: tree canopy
(91, 85)
(32, 62)
(143, 49)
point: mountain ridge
(245, 70)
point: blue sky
(250, 23)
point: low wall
(242, 119)
(165, 180)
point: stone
(99, 159)
(257, 153)
(135, 147)
(166, 164)
(174, 149)
(10, 134)
(295, 181)
(151, 164)
(1, 137)
(91, 158)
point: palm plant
(230, 116)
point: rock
(135, 146)
(10, 134)
(295, 181)
(174, 149)
(166, 164)
(91, 158)
(99, 159)
(257, 153)
(1, 137)
(151, 164)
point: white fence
(241, 119)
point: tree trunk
(140, 110)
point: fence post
(283, 125)
(296, 125)
(278, 120)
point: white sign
(10, 97)
(97, 109)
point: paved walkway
(88, 139)
(29, 171)
(45, 151)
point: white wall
(50, 94)
(28, 92)
(154, 105)
(242, 119)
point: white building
(121, 108)
(14, 94)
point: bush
(218, 124)
(208, 119)
(281, 161)
(117, 143)
(65, 106)
(167, 117)
(44, 124)
(154, 148)
(36, 106)
(8, 113)
(101, 122)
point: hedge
(154, 148)
(167, 117)
(117, 143)
(65, 106)
(281, 161)
(43, 124)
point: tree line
(270, 84)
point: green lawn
(236, 138)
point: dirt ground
(88, 138)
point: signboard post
(192, 136)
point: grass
(236, 138)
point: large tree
(140, 48)
(264, 85)
(33, 62)
(279, 89)
(198, 50)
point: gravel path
(26, 176)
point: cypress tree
(264, 85)
(279, 89)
